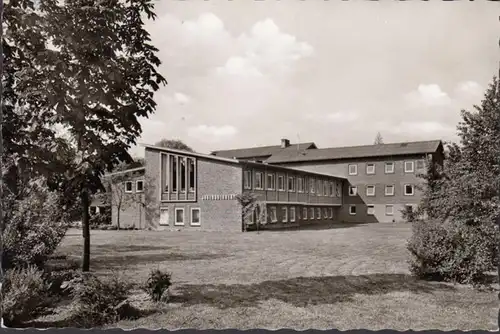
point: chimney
(285, 143)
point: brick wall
(215, 181)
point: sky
(248, 73)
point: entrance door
(163, 216)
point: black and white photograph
(257, 164)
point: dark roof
(262, 151)
(352, 152)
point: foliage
(464, 197)
(250, 205)
(452, 250)
(157, 284)
(175, 144)
(98, 300)
(378, 139)
(100, 219)
(24, 294)
(34, 226)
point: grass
(348, 277)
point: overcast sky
(245, 73)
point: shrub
(24, 293)
(453, 251)
(100, 219)
(34, 226)
(99, 300)
(157, 285)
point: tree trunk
(118, 208)
(85, 230)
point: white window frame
(369, 187)
(412, 189)
(332, 188)
(408, 170)
(261, 181)
(338, 189)
(312, 214)
(247, 179)
(312, 185)
(387, 164)
(423, 164)
(176, 223)
(319, 188)
(280, 188)
(137, 188)
(292, 214)
(131, 186)
(168, 212)
(350, 209)
(284, 211)
(199, 217)
(304, 213)
(389, 186)
(300, 181)
(367, 169)
(325, 213)
(272, 186)
(355, 193)
(274, 218)
(318, 210)
(291, 178)
(330, 209)
(391, 213)
(355, 171)
(368, 207)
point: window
(370, 169)
(311, 185)
(250, 218)
(370, 190)
(353, 169)
(331, 213)
(389, 210)
(318, 187)
(139, 186)
(274, 218)
(195, 217)
(304, 213)
(281, 183)
(128, 186)
(292, 214)
(325, 188)
(389, 167)
(338, 188)
(353, 190)
(247, 179)
(179, 216)
(420, 164)
(164, 216)
(409, 208)
(258, 180)
(389, 190)
(300, 184)
(325, 213)
(311, 213)
(284, 214)
(409, 190)
(332, 189)
(352, 210)
(370, 209)
(191, 172)
(271, 181)
(409, 167)
(183, 173)
(291, 183)
(318, 213)
(173, 172)
(179, 173)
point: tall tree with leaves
(175, 144)
(94, 81)
(378, 139)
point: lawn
(346, 278)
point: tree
(94, 81)
(175, 144)
(378, 139)
(251, 208)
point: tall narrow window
(128, 186)
(339, 189)
(182, 163)
(353, 169)
(258, 180)
(311, 185)
(318, 187)
(284, 214)
(292, 214)
(271, 181)
(191, 174)
(281, 183)
(173, 172)
(247, 176)
(300, 184)
(291, 183)
(274, 217)
(304, 213)
(332, 189)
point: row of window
(370, 209)
(408, 190)
(179, 217)
(179, 173)
(299, 184)
(409, 167)
(139, 186)
(292, 214)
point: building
(381, 179)
(297, 184)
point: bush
(100, 219)
(25, 295)
(157, 285)
(453, 251)
(99, 300)
(34, 226)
